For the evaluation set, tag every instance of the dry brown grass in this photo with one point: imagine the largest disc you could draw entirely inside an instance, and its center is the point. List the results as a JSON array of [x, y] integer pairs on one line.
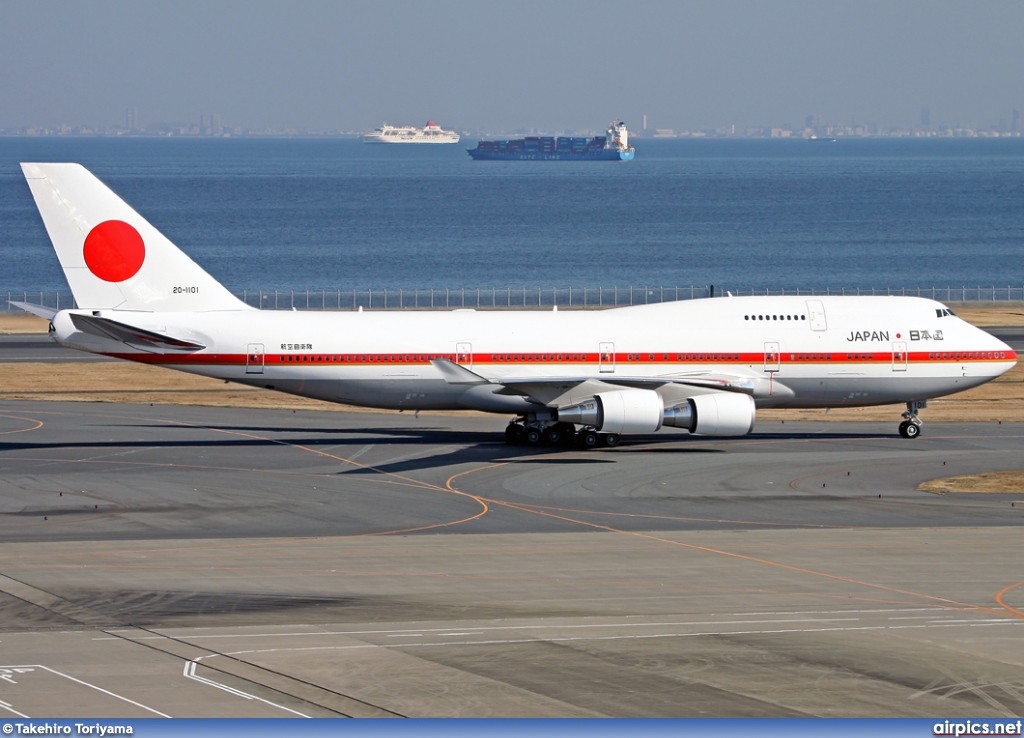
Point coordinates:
[[127, 382], [1007, 482], [989, 316], [21, 323]]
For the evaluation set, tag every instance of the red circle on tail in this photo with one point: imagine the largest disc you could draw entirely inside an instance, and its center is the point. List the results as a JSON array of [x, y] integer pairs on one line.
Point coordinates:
[[114, 251]]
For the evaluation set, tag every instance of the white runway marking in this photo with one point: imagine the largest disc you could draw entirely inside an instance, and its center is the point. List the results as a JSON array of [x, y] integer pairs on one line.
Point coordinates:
[[10, 708], [190, 673], [936, 618], [29, 668], [554, 638]]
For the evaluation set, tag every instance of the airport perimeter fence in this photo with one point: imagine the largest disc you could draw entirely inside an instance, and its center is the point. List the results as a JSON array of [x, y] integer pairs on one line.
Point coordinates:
[[526, 297]]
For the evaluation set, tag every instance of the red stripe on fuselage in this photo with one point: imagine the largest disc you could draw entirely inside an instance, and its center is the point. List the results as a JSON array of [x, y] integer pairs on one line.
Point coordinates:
[[793, 358]]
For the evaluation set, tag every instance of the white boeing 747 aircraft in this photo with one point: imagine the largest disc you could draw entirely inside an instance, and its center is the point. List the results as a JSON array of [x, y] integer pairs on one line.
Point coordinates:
[[702, 365]]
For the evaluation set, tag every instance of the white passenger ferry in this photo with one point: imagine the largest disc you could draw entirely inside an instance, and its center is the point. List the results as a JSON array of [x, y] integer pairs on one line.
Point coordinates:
[[431, 133]]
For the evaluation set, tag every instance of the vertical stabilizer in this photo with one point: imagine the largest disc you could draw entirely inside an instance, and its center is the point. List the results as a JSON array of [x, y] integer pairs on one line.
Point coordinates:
[[111, 256]]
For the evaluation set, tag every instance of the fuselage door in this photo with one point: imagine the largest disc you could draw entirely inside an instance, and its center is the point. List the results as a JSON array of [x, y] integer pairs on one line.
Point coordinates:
[[816, 315], [899, 356], [254, 358], [606, 357], [464, 354], [772, 356]]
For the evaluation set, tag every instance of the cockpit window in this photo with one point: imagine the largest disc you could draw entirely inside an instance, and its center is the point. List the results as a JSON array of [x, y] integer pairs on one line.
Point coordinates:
[[942, 312]]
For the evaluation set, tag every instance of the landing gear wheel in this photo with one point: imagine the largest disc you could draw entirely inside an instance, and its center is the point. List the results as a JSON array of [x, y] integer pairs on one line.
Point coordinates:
[[611, 440], [909, 429], [513, 434], [589, 439], [532, 437], [911, 425], [559, 434]]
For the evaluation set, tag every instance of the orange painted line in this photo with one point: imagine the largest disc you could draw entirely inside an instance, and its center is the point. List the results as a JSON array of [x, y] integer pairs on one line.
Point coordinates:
[[941, 601], [754, 559], [38, 424], [1000, 599], [767, 562], [392, 477], [407, 480], [678, 517]]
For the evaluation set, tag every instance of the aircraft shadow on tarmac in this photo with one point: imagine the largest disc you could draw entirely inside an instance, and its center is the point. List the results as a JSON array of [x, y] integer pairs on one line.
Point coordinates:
[[453, 446], [467, 440], [450, 447]]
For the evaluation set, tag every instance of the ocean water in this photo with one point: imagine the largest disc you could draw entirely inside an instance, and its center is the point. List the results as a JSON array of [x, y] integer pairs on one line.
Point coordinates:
[[337, 214]]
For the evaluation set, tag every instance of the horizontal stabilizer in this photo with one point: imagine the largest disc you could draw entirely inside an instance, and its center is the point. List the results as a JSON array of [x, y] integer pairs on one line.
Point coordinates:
[[106, 328], [42, 312]]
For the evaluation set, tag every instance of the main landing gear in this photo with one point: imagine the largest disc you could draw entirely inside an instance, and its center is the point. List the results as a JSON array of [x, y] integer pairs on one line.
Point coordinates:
[[911, 426], [533, 432]]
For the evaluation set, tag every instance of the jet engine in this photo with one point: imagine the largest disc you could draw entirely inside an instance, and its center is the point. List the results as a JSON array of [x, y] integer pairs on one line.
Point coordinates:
[[624, 411], [644, 411], [716, 414]]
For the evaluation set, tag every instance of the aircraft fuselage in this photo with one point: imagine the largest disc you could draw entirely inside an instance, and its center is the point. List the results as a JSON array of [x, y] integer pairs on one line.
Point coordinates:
[[796, 352]]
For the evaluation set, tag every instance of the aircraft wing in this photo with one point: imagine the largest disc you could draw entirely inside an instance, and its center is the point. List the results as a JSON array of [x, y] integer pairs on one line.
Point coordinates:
[[457, 374], [711, 380], [129, 334], [544, 390]]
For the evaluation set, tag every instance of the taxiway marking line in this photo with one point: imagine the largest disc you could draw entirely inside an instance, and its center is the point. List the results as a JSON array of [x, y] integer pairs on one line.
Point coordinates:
[[87, 684]]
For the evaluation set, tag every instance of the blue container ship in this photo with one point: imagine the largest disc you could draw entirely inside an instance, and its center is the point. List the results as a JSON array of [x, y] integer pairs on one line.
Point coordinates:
[[614, 146]]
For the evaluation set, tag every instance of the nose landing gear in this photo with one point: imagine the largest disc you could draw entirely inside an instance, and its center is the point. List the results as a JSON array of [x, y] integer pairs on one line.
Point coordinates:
[[911, 426]]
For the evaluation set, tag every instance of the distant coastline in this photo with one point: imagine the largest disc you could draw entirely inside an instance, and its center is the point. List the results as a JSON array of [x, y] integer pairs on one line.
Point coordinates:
[[818, 133]]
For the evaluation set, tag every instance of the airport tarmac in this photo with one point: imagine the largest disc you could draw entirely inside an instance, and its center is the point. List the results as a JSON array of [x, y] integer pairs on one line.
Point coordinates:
[[197, 561]]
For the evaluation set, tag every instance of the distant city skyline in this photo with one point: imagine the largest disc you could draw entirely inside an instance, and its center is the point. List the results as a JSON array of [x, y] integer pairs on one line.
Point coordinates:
[[323, 66], [212, 124]]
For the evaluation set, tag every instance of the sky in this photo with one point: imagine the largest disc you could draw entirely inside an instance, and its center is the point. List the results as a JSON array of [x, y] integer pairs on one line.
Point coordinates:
[[502, 66]]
